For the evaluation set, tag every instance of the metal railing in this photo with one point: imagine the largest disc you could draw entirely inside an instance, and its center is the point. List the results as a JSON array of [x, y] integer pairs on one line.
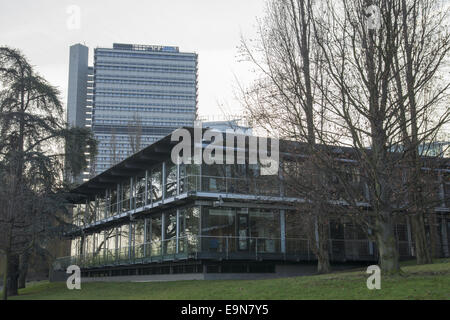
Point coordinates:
[[263, 185], [259, 186], [225, 247]]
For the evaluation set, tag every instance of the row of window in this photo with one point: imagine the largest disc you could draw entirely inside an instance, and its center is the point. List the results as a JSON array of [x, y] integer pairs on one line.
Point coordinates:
[[163, 70], [106, 147], [123, 137], [102, 167], [125, 105], [140, 109], [135, 63], [109, 152], [145, 123], [104, 75], [147, 55], [128, 117], [148, 90], [106, 141], [105, 159], [151, 232], [149, 82], [118, 129], [145, 96]]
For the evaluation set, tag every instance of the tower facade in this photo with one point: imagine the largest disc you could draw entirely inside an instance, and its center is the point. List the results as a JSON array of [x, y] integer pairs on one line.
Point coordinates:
[[138, 94]]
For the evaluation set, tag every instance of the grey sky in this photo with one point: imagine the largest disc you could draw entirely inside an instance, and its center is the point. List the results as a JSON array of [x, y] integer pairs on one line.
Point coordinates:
[[212, 28]]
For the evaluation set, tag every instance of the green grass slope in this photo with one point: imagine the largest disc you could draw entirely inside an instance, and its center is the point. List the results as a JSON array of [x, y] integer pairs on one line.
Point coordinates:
[[416, 282]]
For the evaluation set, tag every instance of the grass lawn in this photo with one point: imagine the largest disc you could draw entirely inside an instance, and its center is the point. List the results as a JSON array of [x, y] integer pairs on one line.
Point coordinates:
[[416, 282]]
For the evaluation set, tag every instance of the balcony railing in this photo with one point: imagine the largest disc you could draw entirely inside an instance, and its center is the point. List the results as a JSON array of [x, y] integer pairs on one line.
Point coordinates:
[[258, 186], [262, 185], [225, 247]]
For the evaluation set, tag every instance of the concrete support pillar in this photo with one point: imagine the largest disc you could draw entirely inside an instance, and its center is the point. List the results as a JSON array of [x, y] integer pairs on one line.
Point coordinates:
[[441, 189], [178, 232], [163, 232], [117, 244], [283, 230], [199, 179], [130, 240], [106, 203], [370, 232], [281, 180], [146, 187], [163, 174], [86, 208], [131, 193], [282, 212], [96, 210], [444, 237], [105, 246], [408, 229], [119, 197], [94, 242], [145, 236], [178, 179]]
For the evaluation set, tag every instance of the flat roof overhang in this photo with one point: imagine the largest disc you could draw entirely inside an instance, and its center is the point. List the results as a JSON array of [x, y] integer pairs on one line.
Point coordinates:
[[134, 165], [131, 166], [160, 151]]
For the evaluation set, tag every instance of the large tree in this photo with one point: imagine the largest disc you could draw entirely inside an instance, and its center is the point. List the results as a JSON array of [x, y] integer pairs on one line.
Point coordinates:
[[423, 47], [369, 62], [286, 102], [357, 74], [32, 157]]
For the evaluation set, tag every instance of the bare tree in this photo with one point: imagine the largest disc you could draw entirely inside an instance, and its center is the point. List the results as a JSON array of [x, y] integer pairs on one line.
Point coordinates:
[[367, 68], [423, 47], [332, 75], [286, 102], [135, 133]]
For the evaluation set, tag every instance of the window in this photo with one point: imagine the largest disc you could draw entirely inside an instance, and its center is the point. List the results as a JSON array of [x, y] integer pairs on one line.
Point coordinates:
[[171, 179], [156, 184]]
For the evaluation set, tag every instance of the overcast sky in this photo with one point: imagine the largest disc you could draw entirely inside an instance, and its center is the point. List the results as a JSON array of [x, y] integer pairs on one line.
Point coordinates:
[[212, 28]]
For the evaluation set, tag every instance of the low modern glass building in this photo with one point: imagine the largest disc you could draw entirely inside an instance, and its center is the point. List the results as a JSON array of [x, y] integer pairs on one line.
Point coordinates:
[[147, 215]]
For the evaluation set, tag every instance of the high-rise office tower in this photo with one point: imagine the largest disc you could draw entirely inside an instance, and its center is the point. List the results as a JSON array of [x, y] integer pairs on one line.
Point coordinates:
[[134, 95]]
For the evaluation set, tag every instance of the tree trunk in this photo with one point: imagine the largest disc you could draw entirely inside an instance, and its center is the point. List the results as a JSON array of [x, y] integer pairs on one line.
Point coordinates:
[[387, 244], [420, 239], [434, 237], [323, 261], [23, 269], [5, 278], [321, 237], [13, 275]]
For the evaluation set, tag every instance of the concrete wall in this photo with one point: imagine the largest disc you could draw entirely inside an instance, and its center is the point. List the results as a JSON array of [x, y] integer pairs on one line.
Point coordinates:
[[281, 271]]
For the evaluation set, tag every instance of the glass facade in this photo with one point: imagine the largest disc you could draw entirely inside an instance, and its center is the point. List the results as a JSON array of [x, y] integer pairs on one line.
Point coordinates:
[[167, 180], [181, 215]]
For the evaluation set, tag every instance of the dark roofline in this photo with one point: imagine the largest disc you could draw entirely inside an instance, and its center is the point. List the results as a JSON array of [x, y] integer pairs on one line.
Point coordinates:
[[112, 175]]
